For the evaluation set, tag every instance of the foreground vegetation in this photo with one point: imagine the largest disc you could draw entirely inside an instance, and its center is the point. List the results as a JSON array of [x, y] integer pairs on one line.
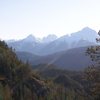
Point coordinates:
[[18, 81]]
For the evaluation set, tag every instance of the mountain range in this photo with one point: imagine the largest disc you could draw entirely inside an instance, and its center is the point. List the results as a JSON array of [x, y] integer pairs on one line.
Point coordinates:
[[51, 44], [66, 52]]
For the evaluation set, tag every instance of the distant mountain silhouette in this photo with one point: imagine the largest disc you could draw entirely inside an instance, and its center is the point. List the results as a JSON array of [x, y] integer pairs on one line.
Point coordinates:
[[25, 45], [51, 44]]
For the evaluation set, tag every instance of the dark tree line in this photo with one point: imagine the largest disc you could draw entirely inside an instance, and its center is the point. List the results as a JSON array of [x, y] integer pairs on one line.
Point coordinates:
[[17, 80]]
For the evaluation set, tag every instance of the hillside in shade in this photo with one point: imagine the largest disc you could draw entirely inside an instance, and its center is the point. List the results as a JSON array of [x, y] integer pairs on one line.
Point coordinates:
[[73, 59], [17, 77]]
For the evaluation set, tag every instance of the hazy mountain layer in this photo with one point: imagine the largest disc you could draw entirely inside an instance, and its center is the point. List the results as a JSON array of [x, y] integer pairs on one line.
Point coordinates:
[[51, 44], [73, 59]]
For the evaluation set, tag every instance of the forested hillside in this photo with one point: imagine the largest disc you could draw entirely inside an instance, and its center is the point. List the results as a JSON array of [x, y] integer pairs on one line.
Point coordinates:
[[18, 81]]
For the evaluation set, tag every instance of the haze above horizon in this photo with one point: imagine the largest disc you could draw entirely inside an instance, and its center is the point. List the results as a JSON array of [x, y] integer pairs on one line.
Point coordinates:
[[19, 18]]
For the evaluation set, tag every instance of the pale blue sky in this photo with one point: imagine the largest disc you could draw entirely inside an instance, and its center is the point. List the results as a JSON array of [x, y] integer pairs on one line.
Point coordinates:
[[19, 18]]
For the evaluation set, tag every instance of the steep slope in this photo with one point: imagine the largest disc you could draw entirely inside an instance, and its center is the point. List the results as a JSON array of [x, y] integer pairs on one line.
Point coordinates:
[[17, 77]]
